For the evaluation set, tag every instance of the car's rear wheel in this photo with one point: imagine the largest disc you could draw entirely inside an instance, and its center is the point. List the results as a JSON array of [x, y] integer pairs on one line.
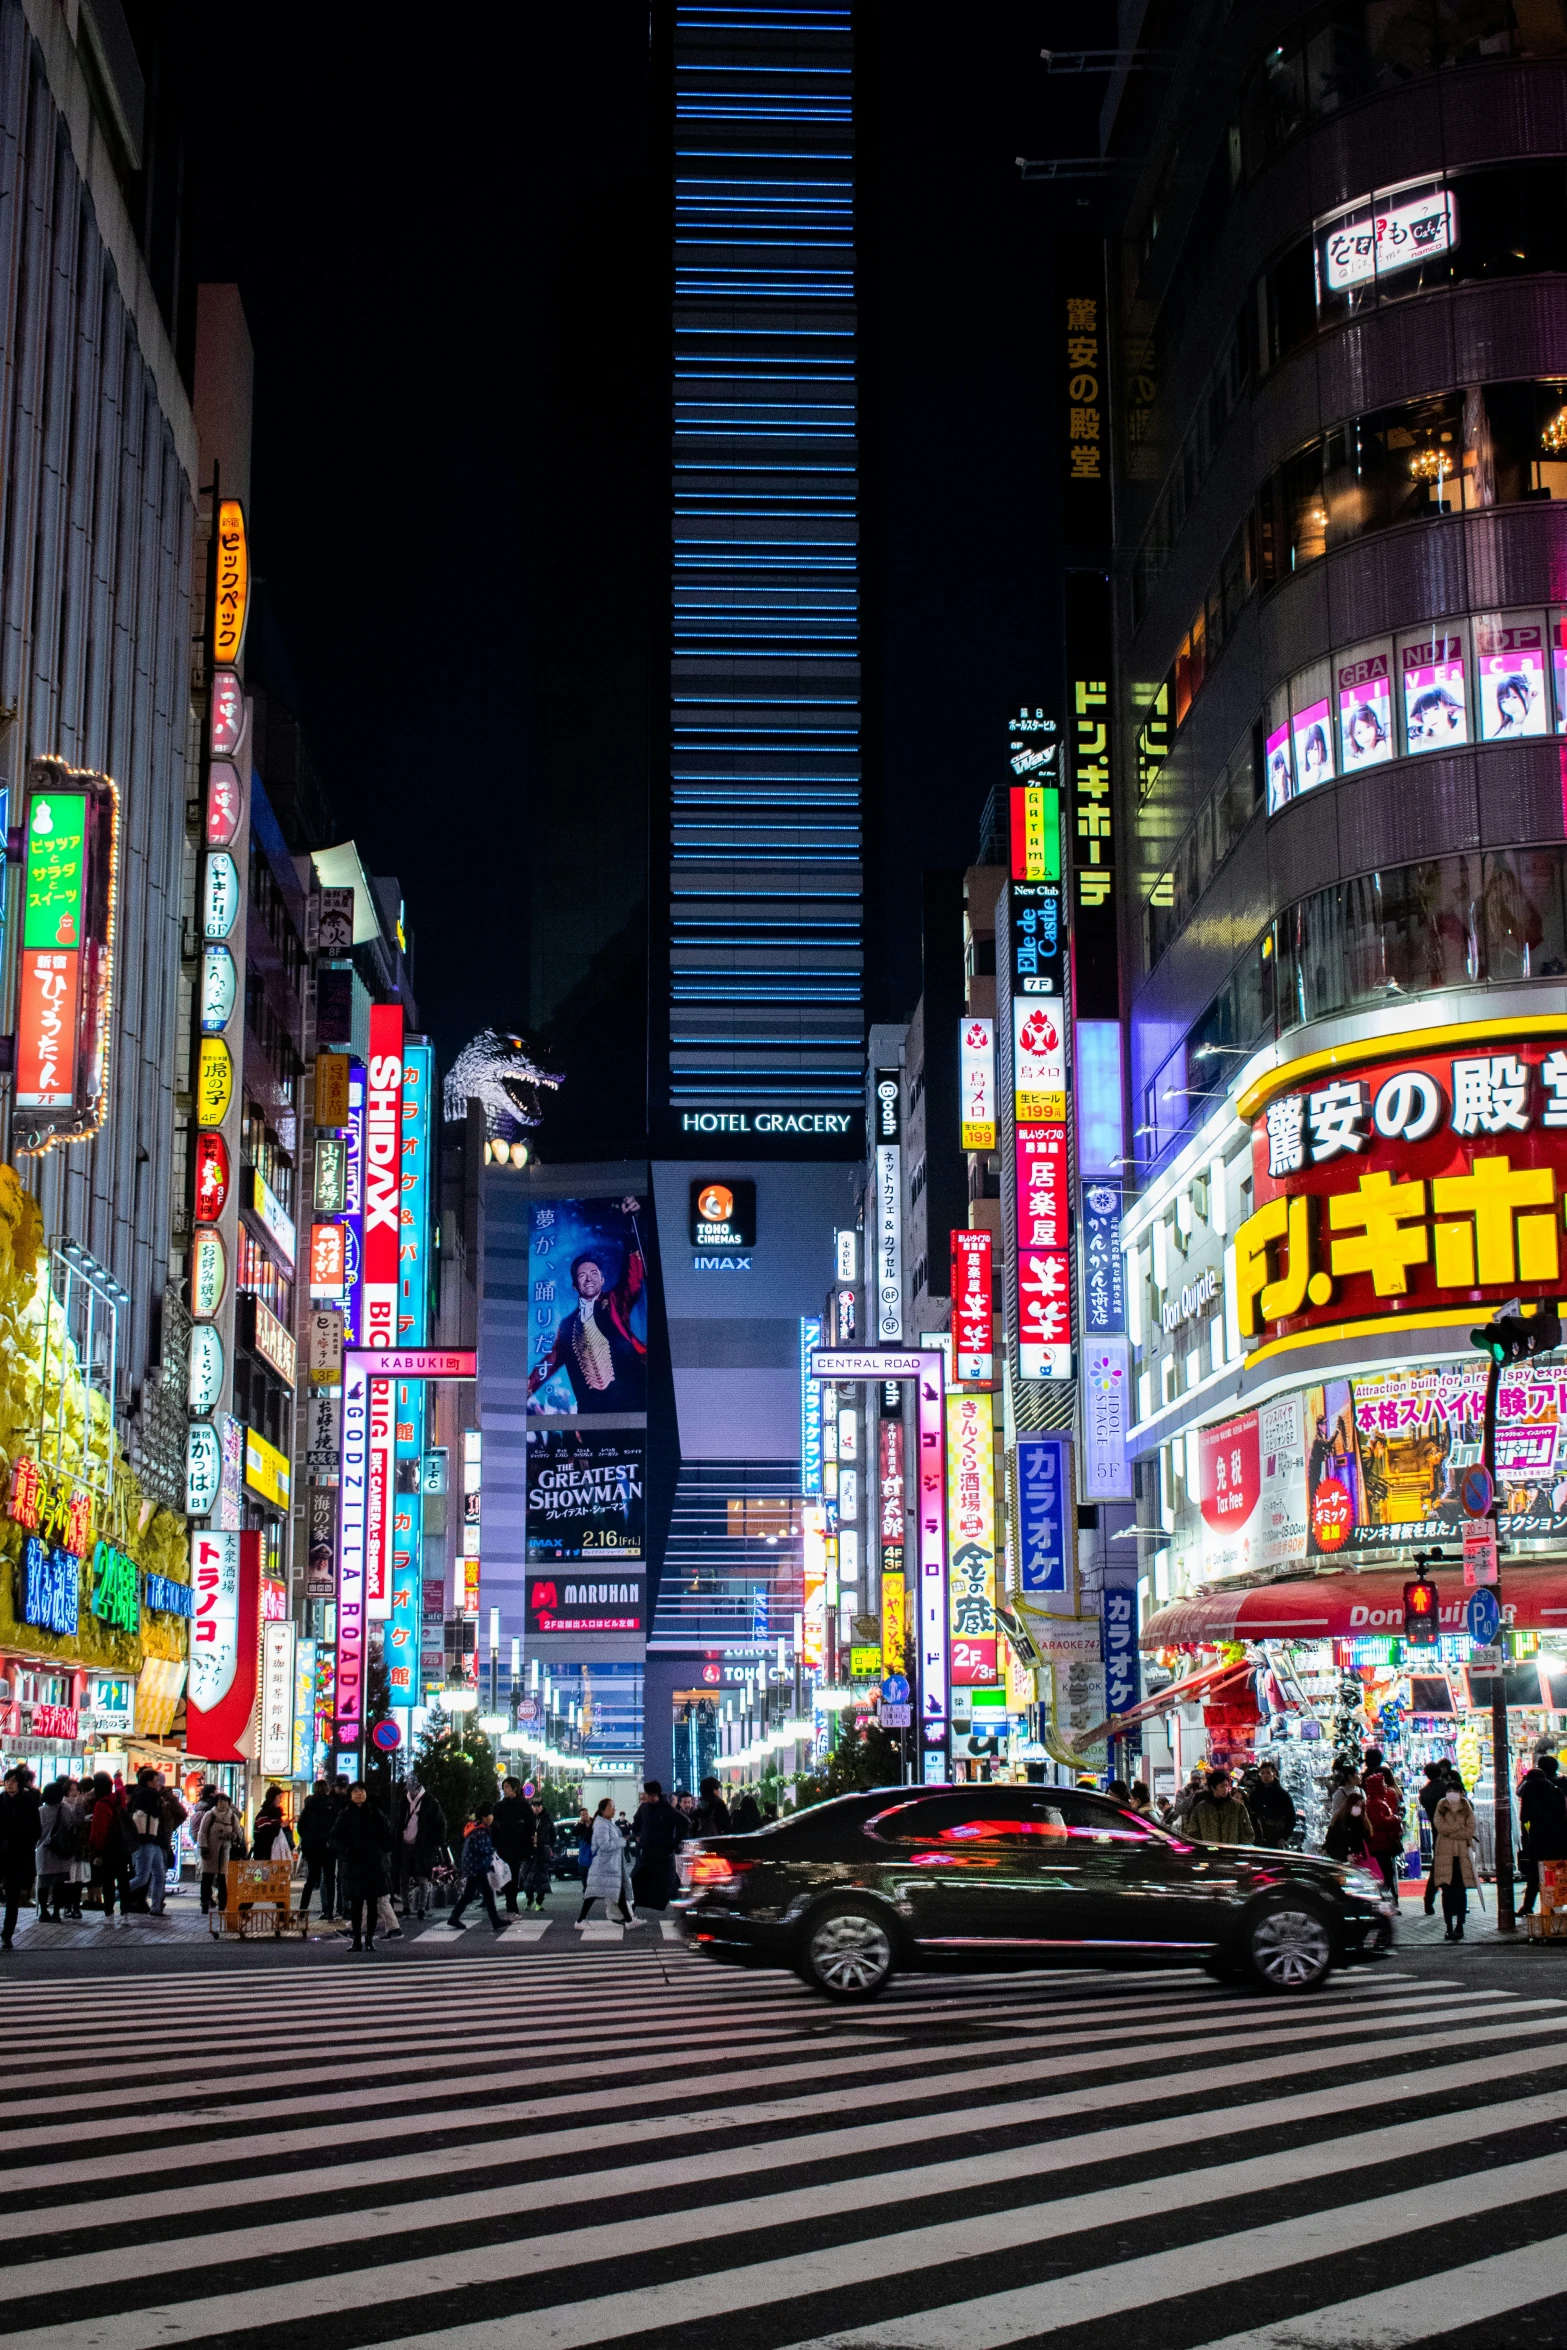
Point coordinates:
[[1290, 1946], [848, 1951]]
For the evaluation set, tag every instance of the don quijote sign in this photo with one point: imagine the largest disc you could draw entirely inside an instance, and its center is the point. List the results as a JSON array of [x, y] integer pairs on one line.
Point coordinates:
[[1421, 1186], [1193, 1297]]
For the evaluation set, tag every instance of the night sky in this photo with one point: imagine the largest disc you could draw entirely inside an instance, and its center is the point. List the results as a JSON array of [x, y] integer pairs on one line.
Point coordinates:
[[384, 226]]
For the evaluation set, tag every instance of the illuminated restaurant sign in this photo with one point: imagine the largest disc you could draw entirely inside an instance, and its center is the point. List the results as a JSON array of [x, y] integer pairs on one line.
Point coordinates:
[[65, 969]]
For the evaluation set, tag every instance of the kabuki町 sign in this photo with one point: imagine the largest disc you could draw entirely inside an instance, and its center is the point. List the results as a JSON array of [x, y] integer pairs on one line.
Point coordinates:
[[1421, 1186]]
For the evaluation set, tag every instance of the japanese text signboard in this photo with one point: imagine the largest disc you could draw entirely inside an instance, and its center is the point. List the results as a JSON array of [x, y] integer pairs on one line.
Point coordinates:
[[65, 969], [972, 1306], [1426, 1186], [971, 1522], [382, 1178]]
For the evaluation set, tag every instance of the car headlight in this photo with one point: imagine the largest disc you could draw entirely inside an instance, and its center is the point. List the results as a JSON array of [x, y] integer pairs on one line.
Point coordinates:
[[1361, 1881]]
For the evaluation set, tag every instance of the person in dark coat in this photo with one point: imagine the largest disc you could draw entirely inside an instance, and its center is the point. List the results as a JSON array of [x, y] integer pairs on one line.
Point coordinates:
[[712, 1813], [1542, 1815], [746, 1817], [478, 1858], [418, 1841], [659, 1830], [270, 1826], [21, 1825], [318, 1816], [361, 1840], [511, 1832], [1272, 1810], [108, 1843], [539, 1866]]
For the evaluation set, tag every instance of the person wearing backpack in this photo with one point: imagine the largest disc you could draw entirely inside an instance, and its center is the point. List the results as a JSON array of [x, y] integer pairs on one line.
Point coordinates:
[[1384, 1818]]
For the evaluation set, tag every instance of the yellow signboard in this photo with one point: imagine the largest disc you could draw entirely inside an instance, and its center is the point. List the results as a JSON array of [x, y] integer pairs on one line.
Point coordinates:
[[214, 1082], [892, 1619], [266, 1469], [232, 599]]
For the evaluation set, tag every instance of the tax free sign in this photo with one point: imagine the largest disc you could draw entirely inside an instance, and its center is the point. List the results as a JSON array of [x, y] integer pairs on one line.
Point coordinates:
[[1423, 1185]]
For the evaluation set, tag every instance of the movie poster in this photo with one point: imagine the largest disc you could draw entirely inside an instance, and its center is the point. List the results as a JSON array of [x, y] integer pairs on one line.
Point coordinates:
[[585, 1495], [587, 1307]]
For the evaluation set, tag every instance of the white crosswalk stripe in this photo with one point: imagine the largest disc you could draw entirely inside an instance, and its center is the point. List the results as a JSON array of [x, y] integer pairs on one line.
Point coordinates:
[[605, 2144]]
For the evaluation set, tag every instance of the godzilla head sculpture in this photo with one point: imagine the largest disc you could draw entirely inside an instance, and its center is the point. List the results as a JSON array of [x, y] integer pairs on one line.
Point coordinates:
[[499, 1071]]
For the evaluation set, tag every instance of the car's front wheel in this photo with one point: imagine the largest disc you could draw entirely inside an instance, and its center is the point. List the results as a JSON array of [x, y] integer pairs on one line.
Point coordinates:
[[1290, 1946], [848, 1951]]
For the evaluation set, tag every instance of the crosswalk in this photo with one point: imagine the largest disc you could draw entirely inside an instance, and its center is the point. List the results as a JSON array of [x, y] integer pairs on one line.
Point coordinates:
[[623, 2143]]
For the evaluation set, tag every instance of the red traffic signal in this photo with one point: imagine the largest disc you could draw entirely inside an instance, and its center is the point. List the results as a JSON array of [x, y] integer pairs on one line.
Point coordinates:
[[1421, 1617]]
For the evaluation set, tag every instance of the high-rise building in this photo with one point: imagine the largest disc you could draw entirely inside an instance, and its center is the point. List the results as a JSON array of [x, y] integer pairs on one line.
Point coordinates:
[[1338, 310], [757, 997]]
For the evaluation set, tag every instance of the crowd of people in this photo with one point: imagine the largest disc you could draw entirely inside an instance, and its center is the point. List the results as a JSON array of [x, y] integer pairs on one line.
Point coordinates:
[[1367, 1822]]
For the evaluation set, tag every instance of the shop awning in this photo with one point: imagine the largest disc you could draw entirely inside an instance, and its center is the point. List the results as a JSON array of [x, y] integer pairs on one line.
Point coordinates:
[[1347, 1607], [1165, 1701]]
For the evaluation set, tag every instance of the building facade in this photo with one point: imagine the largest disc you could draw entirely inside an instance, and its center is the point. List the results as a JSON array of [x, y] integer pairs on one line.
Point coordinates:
[[1340, 322]]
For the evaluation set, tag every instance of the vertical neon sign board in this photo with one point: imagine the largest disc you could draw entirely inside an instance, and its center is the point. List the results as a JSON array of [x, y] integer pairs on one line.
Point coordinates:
[[404, 1624], [349, 1678], [383, 1177]]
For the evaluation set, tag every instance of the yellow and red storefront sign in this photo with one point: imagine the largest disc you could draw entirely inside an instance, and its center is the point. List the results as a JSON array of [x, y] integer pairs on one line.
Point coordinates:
[[1419, 1185]]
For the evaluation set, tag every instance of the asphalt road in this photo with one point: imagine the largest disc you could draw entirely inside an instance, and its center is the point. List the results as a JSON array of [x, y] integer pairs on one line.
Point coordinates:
[[529, 2144]]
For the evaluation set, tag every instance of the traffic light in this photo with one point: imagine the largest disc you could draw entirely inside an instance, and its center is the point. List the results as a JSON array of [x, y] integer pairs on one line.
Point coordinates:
[[1515, 1337], [1421, 1618]]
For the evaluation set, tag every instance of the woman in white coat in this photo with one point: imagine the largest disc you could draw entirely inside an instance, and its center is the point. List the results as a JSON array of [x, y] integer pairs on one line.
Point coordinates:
[[1452, 1868], [609, 1870]]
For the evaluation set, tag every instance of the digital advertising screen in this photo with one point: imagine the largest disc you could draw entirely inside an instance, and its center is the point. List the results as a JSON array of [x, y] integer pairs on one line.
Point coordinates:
[[587, 1306]]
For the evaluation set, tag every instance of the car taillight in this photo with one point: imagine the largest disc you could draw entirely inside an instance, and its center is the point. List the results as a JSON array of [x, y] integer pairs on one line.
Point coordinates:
[[712, 1868]]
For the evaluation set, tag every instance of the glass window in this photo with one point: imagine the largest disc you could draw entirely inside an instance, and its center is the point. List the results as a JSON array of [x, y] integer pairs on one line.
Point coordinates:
[[1429, 934], [1277, 761], [1435, 710], [1311, 727], [1313, 942], [1524, 936], [1303, 515], [1512, 692], [1363, 690]]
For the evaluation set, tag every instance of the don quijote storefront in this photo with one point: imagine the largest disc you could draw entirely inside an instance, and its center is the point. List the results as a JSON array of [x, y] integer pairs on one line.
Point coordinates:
[[1304, 1278]]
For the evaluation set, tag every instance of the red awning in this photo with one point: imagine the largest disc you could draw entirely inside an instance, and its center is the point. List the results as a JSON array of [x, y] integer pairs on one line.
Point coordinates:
[[1342, 1607], [1207, 1684]]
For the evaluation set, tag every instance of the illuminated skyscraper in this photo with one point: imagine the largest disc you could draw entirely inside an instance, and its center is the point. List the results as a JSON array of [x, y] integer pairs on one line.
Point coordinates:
[[757, 997]]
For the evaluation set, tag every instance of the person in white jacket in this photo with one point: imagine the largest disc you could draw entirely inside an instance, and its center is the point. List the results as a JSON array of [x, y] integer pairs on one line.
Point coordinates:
[[609, 1870]]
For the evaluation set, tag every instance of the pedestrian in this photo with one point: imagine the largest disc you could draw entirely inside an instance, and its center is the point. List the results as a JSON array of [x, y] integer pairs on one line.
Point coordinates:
[[536, 1876], [361, 1840], [584, 1843], [1542, 1816], [475, 1864], [1142, 1799], [1195, 1788], [20, 1819], [685, 1804], [1118, 1791], [511, 1833], [1430, 1793], [274, 1838], [608, 1876], [1384, 1818], [59, 1834], [659, 1832], [418, 1843], [746, 1816], [1271, 1807], [219, 1839], [1219, 1816], [1346, 1832], [712, 1813], [1454, 1824], [110, 1841], [318, 1816], [150, 1869], [199, 1810]]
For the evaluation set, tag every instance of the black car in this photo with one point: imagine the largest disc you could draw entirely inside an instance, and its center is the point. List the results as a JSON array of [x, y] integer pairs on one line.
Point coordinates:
[[941, 1877]]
